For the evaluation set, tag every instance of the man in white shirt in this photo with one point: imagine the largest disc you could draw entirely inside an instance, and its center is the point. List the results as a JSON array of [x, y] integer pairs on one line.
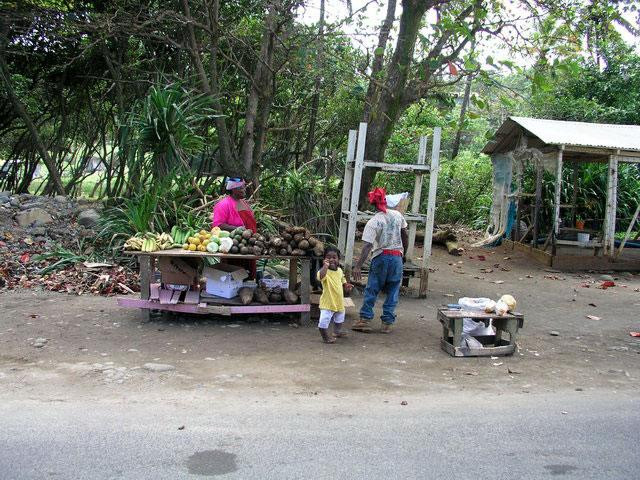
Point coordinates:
[[386, 235]]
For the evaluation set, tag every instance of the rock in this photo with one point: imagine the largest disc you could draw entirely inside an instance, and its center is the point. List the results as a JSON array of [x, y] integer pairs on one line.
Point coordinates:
[[617, 348], [158, 367], [4, 199], [15, 203], [38, 231], [60, 199], [606, 278], [88, 218], [554, 333], [40, 342], [34, 216]]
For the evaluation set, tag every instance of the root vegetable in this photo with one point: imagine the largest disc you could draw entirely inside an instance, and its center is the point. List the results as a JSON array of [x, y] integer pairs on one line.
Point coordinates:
[[246, 295], [298, 253], [303, 245], [283, 251], [246, 234], [289, 296], [244, 250], [298, 237], [313, 242], [274, 297], [261, 296]]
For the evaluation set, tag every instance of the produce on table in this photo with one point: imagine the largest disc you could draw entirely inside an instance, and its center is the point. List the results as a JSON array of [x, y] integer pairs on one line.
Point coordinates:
[[265, 295], [246, 295], [150, 242], [225, 245]]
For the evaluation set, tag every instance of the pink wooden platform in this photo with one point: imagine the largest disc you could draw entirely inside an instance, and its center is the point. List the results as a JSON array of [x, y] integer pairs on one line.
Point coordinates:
[[203, 308]]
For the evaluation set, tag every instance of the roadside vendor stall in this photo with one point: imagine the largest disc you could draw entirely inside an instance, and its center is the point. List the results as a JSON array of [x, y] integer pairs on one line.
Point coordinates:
[[196, 273]]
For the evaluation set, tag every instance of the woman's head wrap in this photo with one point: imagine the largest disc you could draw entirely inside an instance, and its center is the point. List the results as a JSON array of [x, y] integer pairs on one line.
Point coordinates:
[[233, 183], [378, 198]]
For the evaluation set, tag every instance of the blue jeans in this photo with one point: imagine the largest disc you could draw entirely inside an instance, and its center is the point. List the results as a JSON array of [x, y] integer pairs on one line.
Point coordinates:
[[385, 273]]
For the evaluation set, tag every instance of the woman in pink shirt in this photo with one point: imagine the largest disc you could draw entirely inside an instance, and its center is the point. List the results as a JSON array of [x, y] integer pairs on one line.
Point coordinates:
[[234, 211]]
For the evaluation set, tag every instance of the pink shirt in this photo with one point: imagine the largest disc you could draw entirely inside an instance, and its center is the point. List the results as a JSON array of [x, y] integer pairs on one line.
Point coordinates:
[[225, 211]]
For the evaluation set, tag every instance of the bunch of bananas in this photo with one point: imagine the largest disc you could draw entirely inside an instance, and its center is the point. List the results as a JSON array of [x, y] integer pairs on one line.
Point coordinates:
[[134, 243], [149, 242], [164, 241], [180, 235]]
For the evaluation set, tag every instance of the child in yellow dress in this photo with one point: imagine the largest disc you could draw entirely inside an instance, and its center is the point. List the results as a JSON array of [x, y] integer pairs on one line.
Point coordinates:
[[334, 286]]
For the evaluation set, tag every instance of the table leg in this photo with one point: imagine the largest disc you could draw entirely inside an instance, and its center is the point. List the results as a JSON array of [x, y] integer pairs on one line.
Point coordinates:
[[305, 290], [293, 273], [146, 273], [457, 331]]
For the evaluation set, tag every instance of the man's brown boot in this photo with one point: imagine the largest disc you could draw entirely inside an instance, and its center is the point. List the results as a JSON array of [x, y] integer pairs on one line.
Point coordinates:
[[361, 326], [386, 328]]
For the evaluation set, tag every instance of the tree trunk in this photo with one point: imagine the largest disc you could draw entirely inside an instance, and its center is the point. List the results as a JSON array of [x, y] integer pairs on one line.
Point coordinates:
[[54, 175], [311, 137], [463, 113], [390, 102]]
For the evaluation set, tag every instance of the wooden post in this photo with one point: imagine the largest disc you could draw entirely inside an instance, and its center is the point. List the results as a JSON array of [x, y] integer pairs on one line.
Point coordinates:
[[417, 194], [431, 211], [538, 205], [146, 263], [305, 290], [293, 273], [629, 230], [556, 199], [355, 197], [612, 202], [347, 186], [609, 227]]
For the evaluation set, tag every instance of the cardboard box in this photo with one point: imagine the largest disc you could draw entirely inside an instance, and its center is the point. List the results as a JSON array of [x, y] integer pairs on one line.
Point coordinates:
[[224, 280], [178, 271]]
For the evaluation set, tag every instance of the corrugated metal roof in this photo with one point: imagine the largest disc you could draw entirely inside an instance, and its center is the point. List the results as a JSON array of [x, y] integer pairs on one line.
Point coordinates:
[[580, 134]]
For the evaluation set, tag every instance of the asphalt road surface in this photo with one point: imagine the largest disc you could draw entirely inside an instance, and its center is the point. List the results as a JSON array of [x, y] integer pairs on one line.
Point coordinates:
[[573, 435]]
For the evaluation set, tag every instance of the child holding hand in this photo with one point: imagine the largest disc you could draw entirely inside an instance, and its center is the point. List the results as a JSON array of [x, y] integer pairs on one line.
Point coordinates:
[[334, 286]]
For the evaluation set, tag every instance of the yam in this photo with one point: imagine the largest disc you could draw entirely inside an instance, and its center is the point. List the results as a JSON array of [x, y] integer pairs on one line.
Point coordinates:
[[313, 242], [252, 241], [293, 244], [276, 242], [257, 251], [289, 249], [273, 251], [287, 237], [259, 244], [296, 230], [290, 297], [283, 251], [246, 295], [260, 296], [303, 245], [298, 253], [274, 297], [298, 237]]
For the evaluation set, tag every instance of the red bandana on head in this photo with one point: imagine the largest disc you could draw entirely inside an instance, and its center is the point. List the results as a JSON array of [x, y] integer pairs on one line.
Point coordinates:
[[378, 197]]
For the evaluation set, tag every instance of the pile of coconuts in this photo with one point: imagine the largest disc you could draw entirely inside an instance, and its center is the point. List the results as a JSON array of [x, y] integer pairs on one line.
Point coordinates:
[[265, 295], [296, 241]]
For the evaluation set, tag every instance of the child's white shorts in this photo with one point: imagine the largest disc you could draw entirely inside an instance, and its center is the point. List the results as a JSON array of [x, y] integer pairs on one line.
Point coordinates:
[[327, 315]]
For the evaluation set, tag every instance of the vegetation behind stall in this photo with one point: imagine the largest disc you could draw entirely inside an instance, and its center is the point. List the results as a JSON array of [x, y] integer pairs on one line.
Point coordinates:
[[145, 105]]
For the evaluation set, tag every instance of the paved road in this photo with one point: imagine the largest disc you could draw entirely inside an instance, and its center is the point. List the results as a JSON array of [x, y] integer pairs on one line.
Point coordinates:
[[324, 437]]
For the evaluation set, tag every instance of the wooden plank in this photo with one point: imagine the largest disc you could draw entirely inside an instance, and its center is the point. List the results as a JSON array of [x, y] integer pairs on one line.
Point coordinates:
[[355, 197], [576, 243], [178, 252], [475, 315], [628, 156], [629, 230], [431, 211], [347, 186], [179, 307], [535, 253], [557, 198], [398, 167], [305, 291], [417, 194], [408, 216], [248, 309]]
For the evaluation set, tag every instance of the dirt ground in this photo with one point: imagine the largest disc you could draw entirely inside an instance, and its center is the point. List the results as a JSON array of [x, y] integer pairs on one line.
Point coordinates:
[[92, 348]]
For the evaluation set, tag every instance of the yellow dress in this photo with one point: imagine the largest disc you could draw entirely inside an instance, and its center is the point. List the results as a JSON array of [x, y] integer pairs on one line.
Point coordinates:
[[332, 290]]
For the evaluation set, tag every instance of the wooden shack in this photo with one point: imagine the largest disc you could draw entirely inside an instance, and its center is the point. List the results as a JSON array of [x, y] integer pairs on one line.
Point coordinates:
[[522, 151]]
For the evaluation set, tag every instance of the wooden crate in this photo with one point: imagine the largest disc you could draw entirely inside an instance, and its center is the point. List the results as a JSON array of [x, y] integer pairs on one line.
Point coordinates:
[[496, 345]]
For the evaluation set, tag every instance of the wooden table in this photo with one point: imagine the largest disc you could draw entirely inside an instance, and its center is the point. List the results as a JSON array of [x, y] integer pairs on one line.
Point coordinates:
[[146, 261], [452, 321]]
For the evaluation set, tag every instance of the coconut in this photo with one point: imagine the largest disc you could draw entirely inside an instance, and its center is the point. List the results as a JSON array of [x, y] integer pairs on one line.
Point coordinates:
[[303, 245]]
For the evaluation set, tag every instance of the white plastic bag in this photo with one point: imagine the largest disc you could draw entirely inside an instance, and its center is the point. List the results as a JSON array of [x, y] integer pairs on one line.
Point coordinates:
[[477, 304], [394, 199], [469, 342], [501, 308], [477, 329]]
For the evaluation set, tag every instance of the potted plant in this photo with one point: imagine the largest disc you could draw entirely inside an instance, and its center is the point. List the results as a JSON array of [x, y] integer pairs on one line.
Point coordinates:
[[579, 223]]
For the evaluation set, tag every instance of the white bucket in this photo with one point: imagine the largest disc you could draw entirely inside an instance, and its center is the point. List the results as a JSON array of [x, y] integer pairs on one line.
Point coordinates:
[[583, 238]]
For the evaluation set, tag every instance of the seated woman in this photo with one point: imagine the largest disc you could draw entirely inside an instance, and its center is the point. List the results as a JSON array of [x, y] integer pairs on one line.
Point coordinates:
[[234, 211]]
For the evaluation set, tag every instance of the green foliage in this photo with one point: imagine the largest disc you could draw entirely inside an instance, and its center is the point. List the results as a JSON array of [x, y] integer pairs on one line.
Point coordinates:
[[62, 256]]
